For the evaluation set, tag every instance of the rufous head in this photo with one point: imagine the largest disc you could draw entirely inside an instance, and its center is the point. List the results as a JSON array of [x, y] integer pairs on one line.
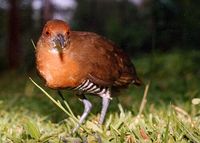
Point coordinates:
[[56, 33]]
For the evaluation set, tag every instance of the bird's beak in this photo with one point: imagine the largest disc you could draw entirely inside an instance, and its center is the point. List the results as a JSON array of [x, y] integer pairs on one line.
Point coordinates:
[[60, 42]]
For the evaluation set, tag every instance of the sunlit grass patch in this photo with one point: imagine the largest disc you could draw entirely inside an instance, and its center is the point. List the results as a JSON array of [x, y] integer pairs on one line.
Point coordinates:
[[122, 126]]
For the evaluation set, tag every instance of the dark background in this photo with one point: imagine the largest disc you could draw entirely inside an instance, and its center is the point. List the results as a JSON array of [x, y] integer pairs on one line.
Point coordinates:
[[138, 26]]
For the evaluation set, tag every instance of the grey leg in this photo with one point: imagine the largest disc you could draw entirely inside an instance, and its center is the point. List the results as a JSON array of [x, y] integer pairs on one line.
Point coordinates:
[[105, 103], [87, 108]]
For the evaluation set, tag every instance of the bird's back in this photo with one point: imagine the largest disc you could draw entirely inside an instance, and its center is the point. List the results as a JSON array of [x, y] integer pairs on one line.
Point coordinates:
[[101, 61]]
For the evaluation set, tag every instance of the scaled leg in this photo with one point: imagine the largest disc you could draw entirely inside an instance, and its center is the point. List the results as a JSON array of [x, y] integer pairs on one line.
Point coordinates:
[[87, 108], [105, 103]]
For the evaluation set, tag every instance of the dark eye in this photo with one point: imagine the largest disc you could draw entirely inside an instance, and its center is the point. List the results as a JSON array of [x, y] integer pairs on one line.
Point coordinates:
[[47, 33], [67, 32]]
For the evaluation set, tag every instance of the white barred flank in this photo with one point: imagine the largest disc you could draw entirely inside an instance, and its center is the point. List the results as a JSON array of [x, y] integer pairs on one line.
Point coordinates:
[[89, 87]]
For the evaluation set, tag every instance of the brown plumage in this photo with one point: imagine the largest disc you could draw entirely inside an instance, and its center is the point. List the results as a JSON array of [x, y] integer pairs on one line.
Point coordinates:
[[84, 61]]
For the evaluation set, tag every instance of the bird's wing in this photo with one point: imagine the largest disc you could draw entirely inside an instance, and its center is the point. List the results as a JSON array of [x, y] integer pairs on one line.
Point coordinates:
[[105, 64]]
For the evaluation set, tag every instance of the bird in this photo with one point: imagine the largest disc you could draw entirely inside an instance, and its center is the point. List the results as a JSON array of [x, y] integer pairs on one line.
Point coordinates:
[[83, 62]]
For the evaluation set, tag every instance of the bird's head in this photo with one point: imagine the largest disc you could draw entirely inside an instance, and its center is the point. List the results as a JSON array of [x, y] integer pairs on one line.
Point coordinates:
[[57, 34]]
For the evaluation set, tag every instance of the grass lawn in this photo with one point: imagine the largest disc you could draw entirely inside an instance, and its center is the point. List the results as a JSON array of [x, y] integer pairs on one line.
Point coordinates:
[[171, 113]]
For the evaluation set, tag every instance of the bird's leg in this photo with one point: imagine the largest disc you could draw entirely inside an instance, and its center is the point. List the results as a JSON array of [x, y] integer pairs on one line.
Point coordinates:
[[60, 94], [87, 107], [105, 103]]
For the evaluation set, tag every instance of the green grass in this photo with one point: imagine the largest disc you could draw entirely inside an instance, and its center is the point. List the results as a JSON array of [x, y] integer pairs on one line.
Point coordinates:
[[171, 113]]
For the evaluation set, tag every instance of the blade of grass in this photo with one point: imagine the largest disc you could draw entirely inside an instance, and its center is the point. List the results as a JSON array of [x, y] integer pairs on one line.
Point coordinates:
[[144, 99], [70, 111], [66, 104], [116, 130], [166, 137], [187, 132], [32, 129], [54, 101], [74, 119], [33, 44]]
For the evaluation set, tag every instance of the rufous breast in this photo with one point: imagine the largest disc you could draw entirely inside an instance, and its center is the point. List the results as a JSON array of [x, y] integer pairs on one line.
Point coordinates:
[[58, 70]]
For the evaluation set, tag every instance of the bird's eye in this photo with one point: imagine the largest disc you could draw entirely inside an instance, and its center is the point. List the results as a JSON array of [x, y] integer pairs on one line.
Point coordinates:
[[47, 33], [67, 32]]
